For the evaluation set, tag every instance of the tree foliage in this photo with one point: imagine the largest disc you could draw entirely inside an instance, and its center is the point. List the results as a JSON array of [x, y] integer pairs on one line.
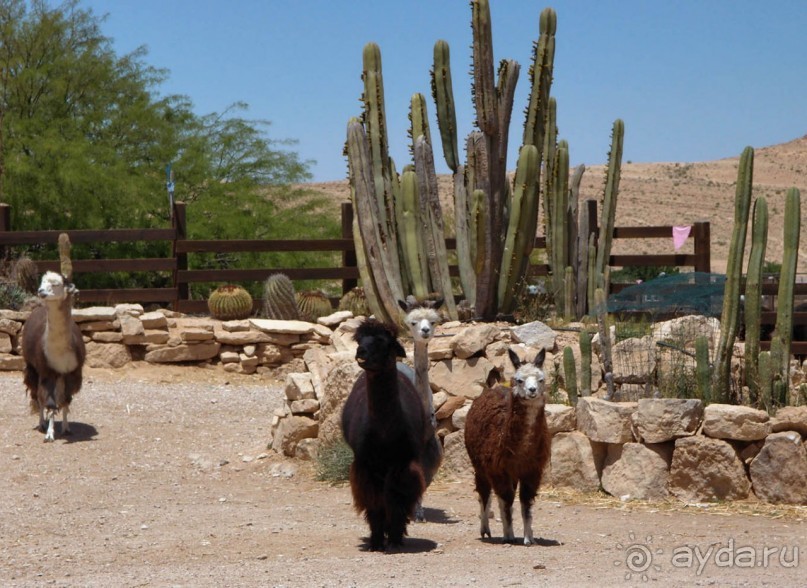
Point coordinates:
[[85, 137]]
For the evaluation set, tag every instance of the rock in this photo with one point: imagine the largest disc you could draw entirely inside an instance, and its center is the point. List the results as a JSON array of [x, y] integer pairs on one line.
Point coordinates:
[[636, 471], [107, 337], [440, 348], [134, 310], [10, 327], [131, 328], [92, 314], [790, 418], [107, 355], [455, 456], [283, 327], [740, 423], [573, 463], [194, 352], [461, 378], [305, 406], [664, 419], [226, 357], [535, 334], [5, 343], [459, 416], [307, 449], [154, 320], [238, 338], [334, 320], [291, 430], [560, 418], [195, 334], [779, 471], [299, 387], [705, 469], [683, 331], [11, 362], [473, 340], [448, 407], [605, 421], [634, 360], [337, 386]]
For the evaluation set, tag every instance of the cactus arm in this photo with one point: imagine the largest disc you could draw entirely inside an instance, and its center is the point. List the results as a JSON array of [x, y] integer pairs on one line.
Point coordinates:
[[484, 89], [609, 199], [585, 360], [753, 295], [540, 79], [462, 233], [570, 375], [432, 223], [443, 94], [731, 293], [517, 242], [783, 333], [411, 237], [560, 225]]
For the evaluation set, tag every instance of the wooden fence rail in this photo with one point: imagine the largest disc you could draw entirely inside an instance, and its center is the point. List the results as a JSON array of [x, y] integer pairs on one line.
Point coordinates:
[[184, 274]]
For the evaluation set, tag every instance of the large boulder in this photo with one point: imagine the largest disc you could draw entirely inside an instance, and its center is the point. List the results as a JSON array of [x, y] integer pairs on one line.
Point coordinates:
[[574, 462], [637, 471], [740, 423], [779, 471], [706, 470], [605, 421], [663, 419]]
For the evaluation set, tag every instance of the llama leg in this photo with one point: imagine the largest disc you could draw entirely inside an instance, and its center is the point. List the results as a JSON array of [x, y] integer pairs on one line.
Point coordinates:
[[420, 513], [376, 519], [50, 435], [506, 492], [483, 490], [526, 496], [65, 422]]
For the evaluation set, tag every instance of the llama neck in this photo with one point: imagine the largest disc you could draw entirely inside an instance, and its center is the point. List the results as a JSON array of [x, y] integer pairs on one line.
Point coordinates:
[[58, 340], [421, 354], [522, 422], [382, 391]]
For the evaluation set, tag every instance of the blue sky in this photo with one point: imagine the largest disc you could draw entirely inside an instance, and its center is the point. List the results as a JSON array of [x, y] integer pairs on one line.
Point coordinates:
[[693, 80]]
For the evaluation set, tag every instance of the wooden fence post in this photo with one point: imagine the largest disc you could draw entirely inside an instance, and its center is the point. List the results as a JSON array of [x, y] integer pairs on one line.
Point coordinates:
[[348, 257], [5, 224], [702, 247], [179, 224]]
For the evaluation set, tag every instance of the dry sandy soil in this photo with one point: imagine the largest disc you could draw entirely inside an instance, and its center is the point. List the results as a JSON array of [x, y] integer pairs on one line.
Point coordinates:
[[166, 481], [684, 193]]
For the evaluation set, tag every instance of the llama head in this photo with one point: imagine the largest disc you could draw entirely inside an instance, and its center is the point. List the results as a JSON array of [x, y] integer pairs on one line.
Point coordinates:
[[378, 346], [55, 287], [528, 381], [421, 317]]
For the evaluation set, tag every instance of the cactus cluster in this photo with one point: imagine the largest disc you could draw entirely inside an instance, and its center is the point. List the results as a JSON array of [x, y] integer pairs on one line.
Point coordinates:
[[25, 274], [230, 302]]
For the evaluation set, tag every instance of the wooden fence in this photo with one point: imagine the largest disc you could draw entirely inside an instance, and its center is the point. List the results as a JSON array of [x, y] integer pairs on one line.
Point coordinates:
[[183, 274]]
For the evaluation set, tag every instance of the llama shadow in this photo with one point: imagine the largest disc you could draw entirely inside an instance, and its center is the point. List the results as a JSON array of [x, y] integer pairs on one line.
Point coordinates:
[[539, 541], [410, 545], [79, 432], [437, 515]]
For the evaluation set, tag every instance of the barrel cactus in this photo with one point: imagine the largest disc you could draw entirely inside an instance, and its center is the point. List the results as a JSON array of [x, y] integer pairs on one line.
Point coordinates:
[[25, 274], [279, 302], [313, 304], [230, 302], [355, 301]]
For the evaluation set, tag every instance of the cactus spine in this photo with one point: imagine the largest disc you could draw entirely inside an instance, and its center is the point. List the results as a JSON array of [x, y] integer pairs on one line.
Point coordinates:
[[782, 335], [355, 301], [278, 298], [230, 302], [731, 294], [753, 295], [25, 274]]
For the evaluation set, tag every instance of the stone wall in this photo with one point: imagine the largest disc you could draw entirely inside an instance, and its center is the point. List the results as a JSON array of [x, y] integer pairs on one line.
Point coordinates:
[[651, 449]]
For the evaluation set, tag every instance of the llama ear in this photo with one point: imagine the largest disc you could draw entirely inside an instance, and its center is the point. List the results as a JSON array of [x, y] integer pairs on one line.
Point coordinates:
[[438, 303], [539, 359], [514, 359], [403, 305], [71, 288]]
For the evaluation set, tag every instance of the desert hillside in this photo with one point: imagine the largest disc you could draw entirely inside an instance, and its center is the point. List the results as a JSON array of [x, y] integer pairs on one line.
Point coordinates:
[[683, 193]]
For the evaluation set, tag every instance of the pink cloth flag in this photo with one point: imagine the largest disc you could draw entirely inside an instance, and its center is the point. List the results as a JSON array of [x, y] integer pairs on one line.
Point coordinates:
[[680, 235]]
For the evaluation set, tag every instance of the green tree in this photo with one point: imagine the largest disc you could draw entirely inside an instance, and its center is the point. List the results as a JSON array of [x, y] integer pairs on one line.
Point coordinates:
[[85, 137]]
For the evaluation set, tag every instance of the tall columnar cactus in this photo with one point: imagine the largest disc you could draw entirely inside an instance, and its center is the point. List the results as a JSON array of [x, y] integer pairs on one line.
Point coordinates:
[[766, 382], [753, 295], [278, 298], [783, 333], [703, 370], [601, 310], [560, 225], [570, 375], [585, 363], [731, 294], [612, 177]]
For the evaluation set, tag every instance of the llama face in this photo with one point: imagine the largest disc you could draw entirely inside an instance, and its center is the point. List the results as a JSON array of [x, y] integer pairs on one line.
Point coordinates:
[[421, 322], [528, 381], [54, 287], [378, 348]]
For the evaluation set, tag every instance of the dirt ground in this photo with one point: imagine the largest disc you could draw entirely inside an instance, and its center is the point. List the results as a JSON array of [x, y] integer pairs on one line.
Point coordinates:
[[166, 481]]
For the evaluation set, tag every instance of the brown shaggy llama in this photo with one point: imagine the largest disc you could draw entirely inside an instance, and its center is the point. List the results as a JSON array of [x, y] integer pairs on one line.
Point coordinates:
[[386, 426], [54, 353], [508, 442]]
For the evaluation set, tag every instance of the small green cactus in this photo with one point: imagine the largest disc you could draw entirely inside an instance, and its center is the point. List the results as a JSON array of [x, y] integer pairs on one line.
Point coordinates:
[[278, 298], [570, 375], [313, 304], [356, 302], [230, 302], [585, 361], [12, 297]]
